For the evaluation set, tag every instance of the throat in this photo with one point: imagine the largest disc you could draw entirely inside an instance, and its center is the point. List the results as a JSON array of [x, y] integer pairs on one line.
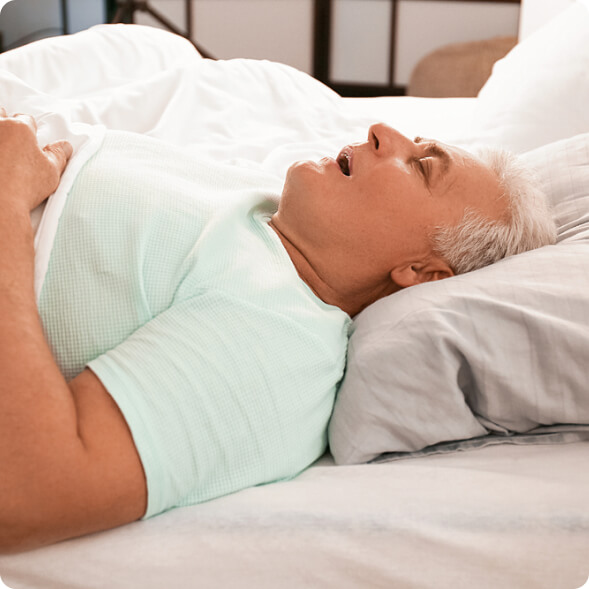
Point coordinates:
[[306, 270], [326, 283]]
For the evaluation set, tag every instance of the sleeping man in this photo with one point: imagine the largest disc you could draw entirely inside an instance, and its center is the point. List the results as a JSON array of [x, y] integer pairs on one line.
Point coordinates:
[[192, 326]]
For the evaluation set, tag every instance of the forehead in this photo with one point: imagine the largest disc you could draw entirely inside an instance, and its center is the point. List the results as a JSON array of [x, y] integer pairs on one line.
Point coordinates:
[[472, 183]]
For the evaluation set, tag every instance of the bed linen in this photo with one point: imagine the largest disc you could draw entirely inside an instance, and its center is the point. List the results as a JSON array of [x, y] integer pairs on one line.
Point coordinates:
[[498, 517], [513, 516]]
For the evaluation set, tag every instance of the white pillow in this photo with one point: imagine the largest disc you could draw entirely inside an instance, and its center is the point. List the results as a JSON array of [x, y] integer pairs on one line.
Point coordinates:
[[501, 350], [539, 92], [563, 170]]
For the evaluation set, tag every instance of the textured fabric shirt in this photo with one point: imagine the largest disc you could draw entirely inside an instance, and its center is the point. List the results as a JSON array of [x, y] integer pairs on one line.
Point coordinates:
[[167, 281]]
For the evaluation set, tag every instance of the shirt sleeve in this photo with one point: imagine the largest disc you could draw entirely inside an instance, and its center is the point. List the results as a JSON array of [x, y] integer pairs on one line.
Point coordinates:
[[220, 395]]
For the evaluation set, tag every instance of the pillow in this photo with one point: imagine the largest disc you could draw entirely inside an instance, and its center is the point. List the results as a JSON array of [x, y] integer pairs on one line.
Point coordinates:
[[563, 171], [539, 92], [501, 350]]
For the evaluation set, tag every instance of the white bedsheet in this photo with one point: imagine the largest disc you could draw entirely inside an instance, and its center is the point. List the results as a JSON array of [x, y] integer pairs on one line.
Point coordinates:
[[513, 517], [506, 516]]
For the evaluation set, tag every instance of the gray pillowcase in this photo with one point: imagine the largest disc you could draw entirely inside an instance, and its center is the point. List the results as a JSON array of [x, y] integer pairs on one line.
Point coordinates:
[[501, 350]]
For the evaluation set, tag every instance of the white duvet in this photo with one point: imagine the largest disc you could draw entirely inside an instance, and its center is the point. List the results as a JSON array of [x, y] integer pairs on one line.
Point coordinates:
[[244, 112]]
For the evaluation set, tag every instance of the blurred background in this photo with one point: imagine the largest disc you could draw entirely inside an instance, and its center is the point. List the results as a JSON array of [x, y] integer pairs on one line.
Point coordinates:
[[358, 47]]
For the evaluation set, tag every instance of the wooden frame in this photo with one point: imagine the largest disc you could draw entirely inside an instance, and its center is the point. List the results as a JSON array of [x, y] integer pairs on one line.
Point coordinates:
[[64, 17], [322, 50]]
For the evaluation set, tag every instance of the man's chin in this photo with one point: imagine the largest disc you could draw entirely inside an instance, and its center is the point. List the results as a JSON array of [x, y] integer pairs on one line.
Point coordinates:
[[303, 166], [298, 174]]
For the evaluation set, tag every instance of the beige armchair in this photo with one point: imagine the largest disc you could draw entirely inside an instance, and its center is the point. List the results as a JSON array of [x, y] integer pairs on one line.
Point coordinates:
[[459, 69]]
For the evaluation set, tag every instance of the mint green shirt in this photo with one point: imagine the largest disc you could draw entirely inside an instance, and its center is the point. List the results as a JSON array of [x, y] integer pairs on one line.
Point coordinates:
[[167, 281]]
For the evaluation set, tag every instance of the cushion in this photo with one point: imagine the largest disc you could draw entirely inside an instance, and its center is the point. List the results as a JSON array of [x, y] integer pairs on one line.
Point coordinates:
[[503, 350], [539, 92]]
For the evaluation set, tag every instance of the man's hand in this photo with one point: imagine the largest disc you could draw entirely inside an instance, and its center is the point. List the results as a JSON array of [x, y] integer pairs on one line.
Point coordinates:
[[29, 174], [68, 463]]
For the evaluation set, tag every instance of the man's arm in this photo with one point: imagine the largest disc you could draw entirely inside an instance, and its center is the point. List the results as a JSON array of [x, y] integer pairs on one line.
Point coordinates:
[[68, 464]]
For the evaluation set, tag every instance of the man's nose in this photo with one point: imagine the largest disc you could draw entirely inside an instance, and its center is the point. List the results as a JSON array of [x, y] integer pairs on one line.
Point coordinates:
[[386, 140]]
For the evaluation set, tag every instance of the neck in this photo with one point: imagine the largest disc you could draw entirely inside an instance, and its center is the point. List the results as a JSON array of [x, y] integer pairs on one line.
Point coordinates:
[[349, 300]]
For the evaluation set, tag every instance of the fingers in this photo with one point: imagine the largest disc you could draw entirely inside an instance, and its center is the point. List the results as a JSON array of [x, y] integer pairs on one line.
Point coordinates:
[[58, 154], [28, 120]]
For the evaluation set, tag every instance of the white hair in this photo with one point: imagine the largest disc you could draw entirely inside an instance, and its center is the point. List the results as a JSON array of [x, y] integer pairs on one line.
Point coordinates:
[[477, 241]]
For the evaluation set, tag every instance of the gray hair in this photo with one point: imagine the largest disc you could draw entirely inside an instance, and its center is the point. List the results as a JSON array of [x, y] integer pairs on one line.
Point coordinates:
[[476, 241]]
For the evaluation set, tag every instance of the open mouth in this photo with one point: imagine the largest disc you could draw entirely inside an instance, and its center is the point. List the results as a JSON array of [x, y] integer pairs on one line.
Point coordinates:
[[344, 161]]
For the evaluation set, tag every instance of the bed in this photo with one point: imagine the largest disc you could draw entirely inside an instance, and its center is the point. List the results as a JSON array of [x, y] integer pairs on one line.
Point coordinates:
[[459, 441]]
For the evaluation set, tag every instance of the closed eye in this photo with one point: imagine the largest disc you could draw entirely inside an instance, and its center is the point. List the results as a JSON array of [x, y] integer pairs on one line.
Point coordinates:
[[424, 167], [433, 150]]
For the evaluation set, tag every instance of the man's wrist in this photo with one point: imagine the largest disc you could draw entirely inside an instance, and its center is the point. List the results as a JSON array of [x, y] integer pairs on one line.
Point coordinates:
[[13, 207], [17, 250], [15, 220]]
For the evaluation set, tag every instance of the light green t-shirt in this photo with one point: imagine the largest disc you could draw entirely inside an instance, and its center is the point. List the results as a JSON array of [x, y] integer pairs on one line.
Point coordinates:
[[166, 280]]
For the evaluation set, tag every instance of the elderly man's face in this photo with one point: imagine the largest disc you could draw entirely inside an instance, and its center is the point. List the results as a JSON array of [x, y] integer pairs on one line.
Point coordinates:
[[370, 210]]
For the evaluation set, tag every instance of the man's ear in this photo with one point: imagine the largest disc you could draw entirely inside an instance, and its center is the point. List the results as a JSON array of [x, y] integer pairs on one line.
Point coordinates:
[[417, 272]]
